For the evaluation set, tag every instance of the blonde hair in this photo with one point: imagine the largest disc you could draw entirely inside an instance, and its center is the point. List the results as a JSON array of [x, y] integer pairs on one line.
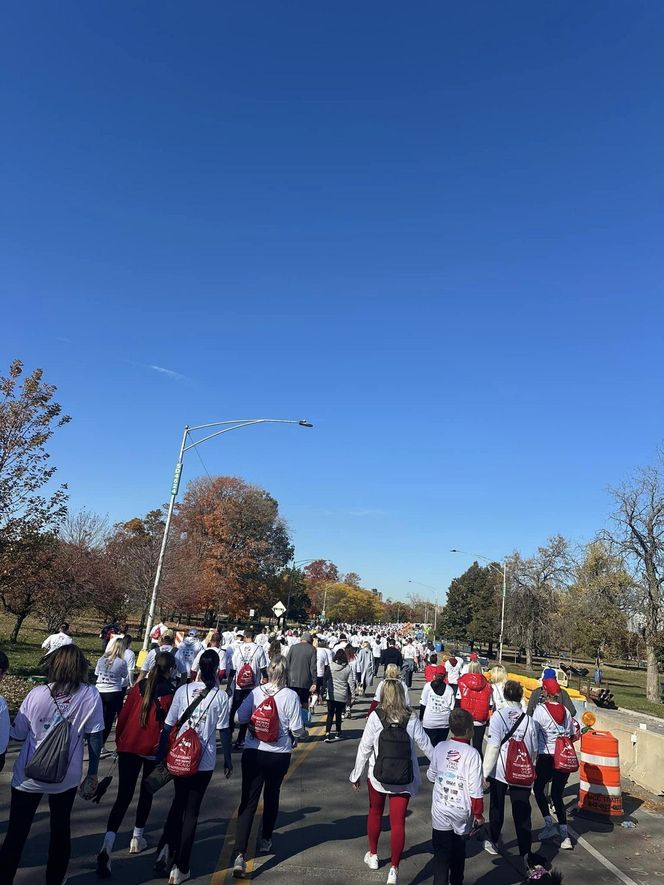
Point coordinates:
[[498, 674], [391, 671], [474, 667], [393, 702], [277, 671], [116, 650]]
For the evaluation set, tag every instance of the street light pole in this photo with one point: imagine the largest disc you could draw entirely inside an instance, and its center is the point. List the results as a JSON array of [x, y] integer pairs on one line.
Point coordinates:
[[226, 426], [501, 571]]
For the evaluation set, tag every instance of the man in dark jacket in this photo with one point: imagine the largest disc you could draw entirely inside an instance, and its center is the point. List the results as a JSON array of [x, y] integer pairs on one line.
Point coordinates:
[[536, 696], [391, 655], [302, 671]]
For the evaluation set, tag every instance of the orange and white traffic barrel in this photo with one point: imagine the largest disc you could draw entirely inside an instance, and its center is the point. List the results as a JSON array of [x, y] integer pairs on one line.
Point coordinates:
[[599, 774]]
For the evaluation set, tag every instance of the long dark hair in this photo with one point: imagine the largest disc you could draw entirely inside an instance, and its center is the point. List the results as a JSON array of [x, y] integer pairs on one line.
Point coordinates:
[[67, 668], [164, 664], [208, 667], [341, 657], [438, 684]]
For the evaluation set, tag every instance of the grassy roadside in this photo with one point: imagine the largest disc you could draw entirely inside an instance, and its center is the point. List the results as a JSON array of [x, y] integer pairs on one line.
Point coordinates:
[[628, 686]]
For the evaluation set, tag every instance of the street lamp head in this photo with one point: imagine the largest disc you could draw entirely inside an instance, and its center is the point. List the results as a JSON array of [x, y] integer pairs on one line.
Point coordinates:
[[304, 423], [454, 550]]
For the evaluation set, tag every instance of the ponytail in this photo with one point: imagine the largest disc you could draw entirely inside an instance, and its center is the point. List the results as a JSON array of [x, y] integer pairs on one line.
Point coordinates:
[[208, 667], [163, 666]]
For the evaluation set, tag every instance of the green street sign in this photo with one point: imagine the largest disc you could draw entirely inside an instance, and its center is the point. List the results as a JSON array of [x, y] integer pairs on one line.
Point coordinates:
[[176, 478]]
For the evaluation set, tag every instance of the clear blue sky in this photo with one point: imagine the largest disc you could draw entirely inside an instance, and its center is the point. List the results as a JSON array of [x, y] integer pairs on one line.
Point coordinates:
[[433, 229]]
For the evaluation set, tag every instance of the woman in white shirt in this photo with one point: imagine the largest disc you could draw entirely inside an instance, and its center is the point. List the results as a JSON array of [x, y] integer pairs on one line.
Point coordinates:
[[438, 700], [264, 764], [210, 716], [393, 712], [112, 673], [391, 672]]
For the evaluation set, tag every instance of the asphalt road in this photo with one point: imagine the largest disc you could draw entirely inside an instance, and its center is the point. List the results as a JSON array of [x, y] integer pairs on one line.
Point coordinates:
[[321, 833]]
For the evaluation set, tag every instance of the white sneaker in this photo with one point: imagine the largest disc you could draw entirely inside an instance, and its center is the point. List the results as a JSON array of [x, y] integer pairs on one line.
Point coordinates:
[[550, 831], [371, 860], [177, 876], [265, 846], [137, 844], [239, 867], [393, 876], [566, 844], [489, 847]]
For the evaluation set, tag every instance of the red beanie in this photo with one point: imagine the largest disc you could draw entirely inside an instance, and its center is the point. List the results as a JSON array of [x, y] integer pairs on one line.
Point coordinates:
[[551, 686]]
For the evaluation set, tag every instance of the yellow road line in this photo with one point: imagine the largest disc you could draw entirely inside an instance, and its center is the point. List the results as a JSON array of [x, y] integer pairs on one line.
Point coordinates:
[[222, 871]]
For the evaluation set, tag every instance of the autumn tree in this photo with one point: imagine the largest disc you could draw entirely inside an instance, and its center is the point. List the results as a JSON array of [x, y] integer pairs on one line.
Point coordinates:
[[352, 579], [457, 613], [134, 549], [594, 610], [352, 604], [534, 585], [233, 534], [29, 515], [638, 536]]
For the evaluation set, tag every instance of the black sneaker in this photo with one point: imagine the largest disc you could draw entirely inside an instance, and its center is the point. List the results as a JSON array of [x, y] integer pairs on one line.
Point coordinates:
[[104, 864]]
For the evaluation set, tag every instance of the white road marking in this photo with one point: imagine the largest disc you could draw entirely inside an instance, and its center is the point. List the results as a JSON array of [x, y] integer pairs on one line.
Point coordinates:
[[603, 860]]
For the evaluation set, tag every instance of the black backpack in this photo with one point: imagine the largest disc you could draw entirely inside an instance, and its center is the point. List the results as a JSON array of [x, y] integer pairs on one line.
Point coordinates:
[[394, 762]]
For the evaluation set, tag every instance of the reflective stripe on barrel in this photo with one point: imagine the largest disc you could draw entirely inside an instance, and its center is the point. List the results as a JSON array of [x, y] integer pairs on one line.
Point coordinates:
[[599, 774]]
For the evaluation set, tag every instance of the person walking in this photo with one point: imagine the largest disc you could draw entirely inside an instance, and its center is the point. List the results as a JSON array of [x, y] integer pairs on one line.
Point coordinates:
[[302, 672], [388, 747], [112, 673], [66, 697], [376, 650], [457, 800], [438, 701], [391, 655], [510, 724], [409, 655], [273, 714], [137, 738], [453, 667], [57, 640], [391, 672], [189, 650], [498, 676], [340, 688], [130, 659], [248, 665], [364, 667], [167, 643], [475, 696], [203, 707], [554, 722], [540, 695]]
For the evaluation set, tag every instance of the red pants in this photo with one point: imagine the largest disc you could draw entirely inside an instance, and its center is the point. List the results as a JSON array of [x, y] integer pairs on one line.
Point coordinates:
[[398, 808]]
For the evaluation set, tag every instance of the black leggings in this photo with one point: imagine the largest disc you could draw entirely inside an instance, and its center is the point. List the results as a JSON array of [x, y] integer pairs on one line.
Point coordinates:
[[546, 772], [111, 702], [335, 710], [21, 814], [449, 857], [478, 737], [436, 735], [129, 768], [238, 696], [180, 828], [260, 768], [520, 800]]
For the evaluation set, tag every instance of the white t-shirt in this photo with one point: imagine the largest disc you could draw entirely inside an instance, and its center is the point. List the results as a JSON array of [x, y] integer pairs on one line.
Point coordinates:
[[290, 717], [212, 713], [323, 659], [186, 654], [368, 752], [456, 775], [56, 640], [379, 692], [130, 659], [37, 715], [221, 654], [500, 724], [111, 678], [549, 729], [453, 671], [250, 653], [151, 657], [409, 652], [437, 708]]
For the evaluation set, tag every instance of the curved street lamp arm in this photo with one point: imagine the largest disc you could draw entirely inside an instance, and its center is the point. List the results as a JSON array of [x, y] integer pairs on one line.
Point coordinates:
[[235, 425]]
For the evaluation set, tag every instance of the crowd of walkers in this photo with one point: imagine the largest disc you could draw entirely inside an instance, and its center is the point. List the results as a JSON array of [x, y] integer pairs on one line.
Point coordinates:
[[181, 705]]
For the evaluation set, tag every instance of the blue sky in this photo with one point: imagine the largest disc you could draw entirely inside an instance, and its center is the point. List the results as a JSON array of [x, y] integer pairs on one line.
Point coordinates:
[[433, 229]]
